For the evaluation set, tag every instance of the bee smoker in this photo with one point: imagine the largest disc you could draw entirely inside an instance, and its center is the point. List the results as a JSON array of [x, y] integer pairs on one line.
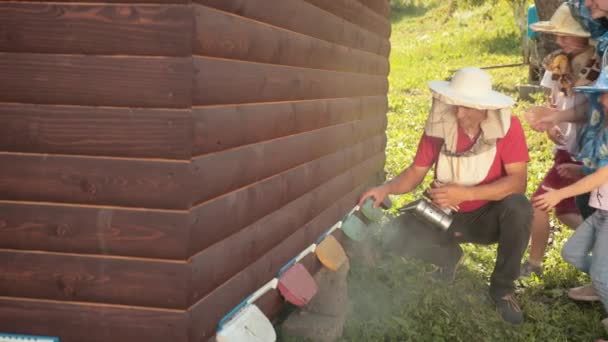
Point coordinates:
[[429, 212]]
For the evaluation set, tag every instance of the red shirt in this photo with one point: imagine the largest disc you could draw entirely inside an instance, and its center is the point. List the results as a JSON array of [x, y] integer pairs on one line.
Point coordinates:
[[512, 148]]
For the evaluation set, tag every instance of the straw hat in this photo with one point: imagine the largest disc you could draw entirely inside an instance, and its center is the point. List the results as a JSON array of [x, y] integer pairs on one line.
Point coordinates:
[[562, 22], [470, 87]]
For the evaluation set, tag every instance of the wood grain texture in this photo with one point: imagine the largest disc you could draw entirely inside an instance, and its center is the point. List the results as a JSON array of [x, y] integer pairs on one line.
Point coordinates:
[[99, 131], [163, 82], [218, 128], [207, 312], [94, 230], [73, 277], [253, 241], [85, 180], [356, 13], [222, 81], [78, 322], [221, 173], [302, 17], [225, 35], [96, 29]]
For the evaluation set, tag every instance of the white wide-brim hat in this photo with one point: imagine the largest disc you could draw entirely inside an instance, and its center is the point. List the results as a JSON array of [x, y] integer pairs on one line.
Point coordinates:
[[562, 22], [470, 87]]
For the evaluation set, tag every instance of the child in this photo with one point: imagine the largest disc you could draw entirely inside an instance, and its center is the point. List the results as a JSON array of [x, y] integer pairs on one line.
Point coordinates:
[[587, 249], [570, 66]]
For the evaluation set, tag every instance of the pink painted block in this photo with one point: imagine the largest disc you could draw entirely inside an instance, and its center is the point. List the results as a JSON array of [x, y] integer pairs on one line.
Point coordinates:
[[297, 285]]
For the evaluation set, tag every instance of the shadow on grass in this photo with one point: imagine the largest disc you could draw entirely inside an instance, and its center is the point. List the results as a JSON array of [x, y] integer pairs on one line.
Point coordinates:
[[402, 9]]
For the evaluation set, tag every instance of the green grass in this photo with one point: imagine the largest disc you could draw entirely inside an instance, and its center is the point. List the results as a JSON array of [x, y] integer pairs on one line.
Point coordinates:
[[397, 301]]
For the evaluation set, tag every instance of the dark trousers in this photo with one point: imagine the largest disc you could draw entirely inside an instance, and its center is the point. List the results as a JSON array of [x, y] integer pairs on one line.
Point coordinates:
[[506, 222]]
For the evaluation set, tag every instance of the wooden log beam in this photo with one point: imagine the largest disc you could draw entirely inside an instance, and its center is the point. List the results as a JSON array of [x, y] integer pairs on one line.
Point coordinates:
[[356, 13], [163, 82], [226, 35], [94, 278], [94, 230], [218, 128], [302, 17], [98, 131], [222, 81], [78, 322], [139, 183], [96, 29], [220, 173]]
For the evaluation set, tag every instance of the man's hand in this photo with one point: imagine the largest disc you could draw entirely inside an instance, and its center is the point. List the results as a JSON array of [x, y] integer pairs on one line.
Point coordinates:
[[548, 200], [449, 195], [378, 193], [570, 170]]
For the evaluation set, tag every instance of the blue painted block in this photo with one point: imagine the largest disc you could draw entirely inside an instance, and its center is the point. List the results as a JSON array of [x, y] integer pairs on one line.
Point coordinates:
[[26, 338]]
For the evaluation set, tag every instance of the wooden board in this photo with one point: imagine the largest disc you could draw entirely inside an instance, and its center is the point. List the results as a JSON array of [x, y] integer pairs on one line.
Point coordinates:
[[94, 230], [108, 181], [220, 173], [217, 128], [356, 13], [222, 81], [250, 243], [78, 322], [121, 81], [101, 131], [302, 17], [226, 35], [207, 312], [73, 277], [96, 29]]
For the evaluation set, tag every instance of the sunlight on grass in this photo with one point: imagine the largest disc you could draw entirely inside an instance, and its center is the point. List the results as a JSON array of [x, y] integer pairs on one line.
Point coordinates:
[[397, 301]]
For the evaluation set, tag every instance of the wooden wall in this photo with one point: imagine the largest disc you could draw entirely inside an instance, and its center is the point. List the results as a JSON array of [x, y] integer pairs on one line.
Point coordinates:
[[162, 159]]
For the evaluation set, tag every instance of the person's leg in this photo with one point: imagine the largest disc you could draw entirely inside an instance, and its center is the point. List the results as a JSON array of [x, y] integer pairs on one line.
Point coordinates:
[[541, 228], [539, 237], [577, 248], [576, 252], [599, 262], [514, 214], [508, 223], [570, 220]]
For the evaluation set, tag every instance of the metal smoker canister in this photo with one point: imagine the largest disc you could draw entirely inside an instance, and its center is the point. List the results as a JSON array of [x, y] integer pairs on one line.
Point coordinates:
[[431, 213]]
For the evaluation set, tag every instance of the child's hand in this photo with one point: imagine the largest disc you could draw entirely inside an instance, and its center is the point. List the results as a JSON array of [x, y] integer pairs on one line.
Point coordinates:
[[548, 200], [555, 134], [540, 118], [570, 170]]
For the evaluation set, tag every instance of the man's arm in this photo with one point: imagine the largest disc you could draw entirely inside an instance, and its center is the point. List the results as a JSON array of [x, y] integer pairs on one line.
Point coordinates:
[[513, 183], [452, 195], [405, 182]]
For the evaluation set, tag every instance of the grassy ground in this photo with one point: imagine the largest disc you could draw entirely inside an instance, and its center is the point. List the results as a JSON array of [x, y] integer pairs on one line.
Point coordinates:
[[397, 301]]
